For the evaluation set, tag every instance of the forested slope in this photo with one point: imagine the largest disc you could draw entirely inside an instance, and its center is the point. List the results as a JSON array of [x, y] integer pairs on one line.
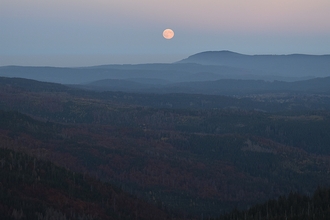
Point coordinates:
[[294, 206], [31, 188], [188, 158]]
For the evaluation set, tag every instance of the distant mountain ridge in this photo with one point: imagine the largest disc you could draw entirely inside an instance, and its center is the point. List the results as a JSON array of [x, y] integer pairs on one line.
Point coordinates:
[[204, 66], [285, 65]]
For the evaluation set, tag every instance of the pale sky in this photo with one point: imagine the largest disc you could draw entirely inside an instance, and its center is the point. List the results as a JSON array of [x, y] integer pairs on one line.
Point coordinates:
[[92, 32]]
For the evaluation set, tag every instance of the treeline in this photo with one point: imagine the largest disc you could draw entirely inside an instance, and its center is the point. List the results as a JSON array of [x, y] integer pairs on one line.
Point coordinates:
[[295, 206]]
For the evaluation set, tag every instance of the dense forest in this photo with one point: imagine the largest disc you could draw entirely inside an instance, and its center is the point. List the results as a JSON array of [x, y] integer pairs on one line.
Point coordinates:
[[171, 155], [293, 206], [35, 189]]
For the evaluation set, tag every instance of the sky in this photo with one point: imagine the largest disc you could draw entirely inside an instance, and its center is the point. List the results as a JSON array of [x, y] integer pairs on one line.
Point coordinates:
[[93, 32]]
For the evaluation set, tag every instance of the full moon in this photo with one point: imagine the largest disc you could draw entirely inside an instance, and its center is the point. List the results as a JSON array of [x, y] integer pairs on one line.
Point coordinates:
[[168, 34]]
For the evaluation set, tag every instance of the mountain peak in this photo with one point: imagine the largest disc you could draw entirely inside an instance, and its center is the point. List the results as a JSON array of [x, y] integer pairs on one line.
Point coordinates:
[[212, 57], [217, 54], [294, 65]]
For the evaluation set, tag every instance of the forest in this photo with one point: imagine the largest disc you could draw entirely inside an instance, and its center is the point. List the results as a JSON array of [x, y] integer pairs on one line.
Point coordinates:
[[292, 206], [84, 154]]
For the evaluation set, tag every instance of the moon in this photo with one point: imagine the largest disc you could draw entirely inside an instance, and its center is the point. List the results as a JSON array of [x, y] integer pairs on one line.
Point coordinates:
[[168, 34]]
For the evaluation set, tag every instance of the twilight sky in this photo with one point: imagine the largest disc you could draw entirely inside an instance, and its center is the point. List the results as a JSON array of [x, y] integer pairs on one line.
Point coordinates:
[[92, 32]]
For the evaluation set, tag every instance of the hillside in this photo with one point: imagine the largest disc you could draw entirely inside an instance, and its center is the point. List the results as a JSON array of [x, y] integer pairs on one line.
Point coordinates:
[[35, 189], [290, 207], [186, 156]]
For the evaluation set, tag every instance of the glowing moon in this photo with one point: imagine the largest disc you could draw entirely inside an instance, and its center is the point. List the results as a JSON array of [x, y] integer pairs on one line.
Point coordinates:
[[168, 34]]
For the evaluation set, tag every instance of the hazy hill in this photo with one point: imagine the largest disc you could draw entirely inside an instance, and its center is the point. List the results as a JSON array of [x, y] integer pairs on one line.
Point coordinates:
[[251, 95], [294, 65], [215, 87], [245, 87], [160, 72], [205, 66]]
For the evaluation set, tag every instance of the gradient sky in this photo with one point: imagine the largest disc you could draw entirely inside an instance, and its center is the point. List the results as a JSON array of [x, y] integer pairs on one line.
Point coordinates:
[[92, 32]]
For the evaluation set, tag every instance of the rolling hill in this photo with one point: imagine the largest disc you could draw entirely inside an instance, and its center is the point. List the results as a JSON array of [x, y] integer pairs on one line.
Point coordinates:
[[186, 154], [216, 87]]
